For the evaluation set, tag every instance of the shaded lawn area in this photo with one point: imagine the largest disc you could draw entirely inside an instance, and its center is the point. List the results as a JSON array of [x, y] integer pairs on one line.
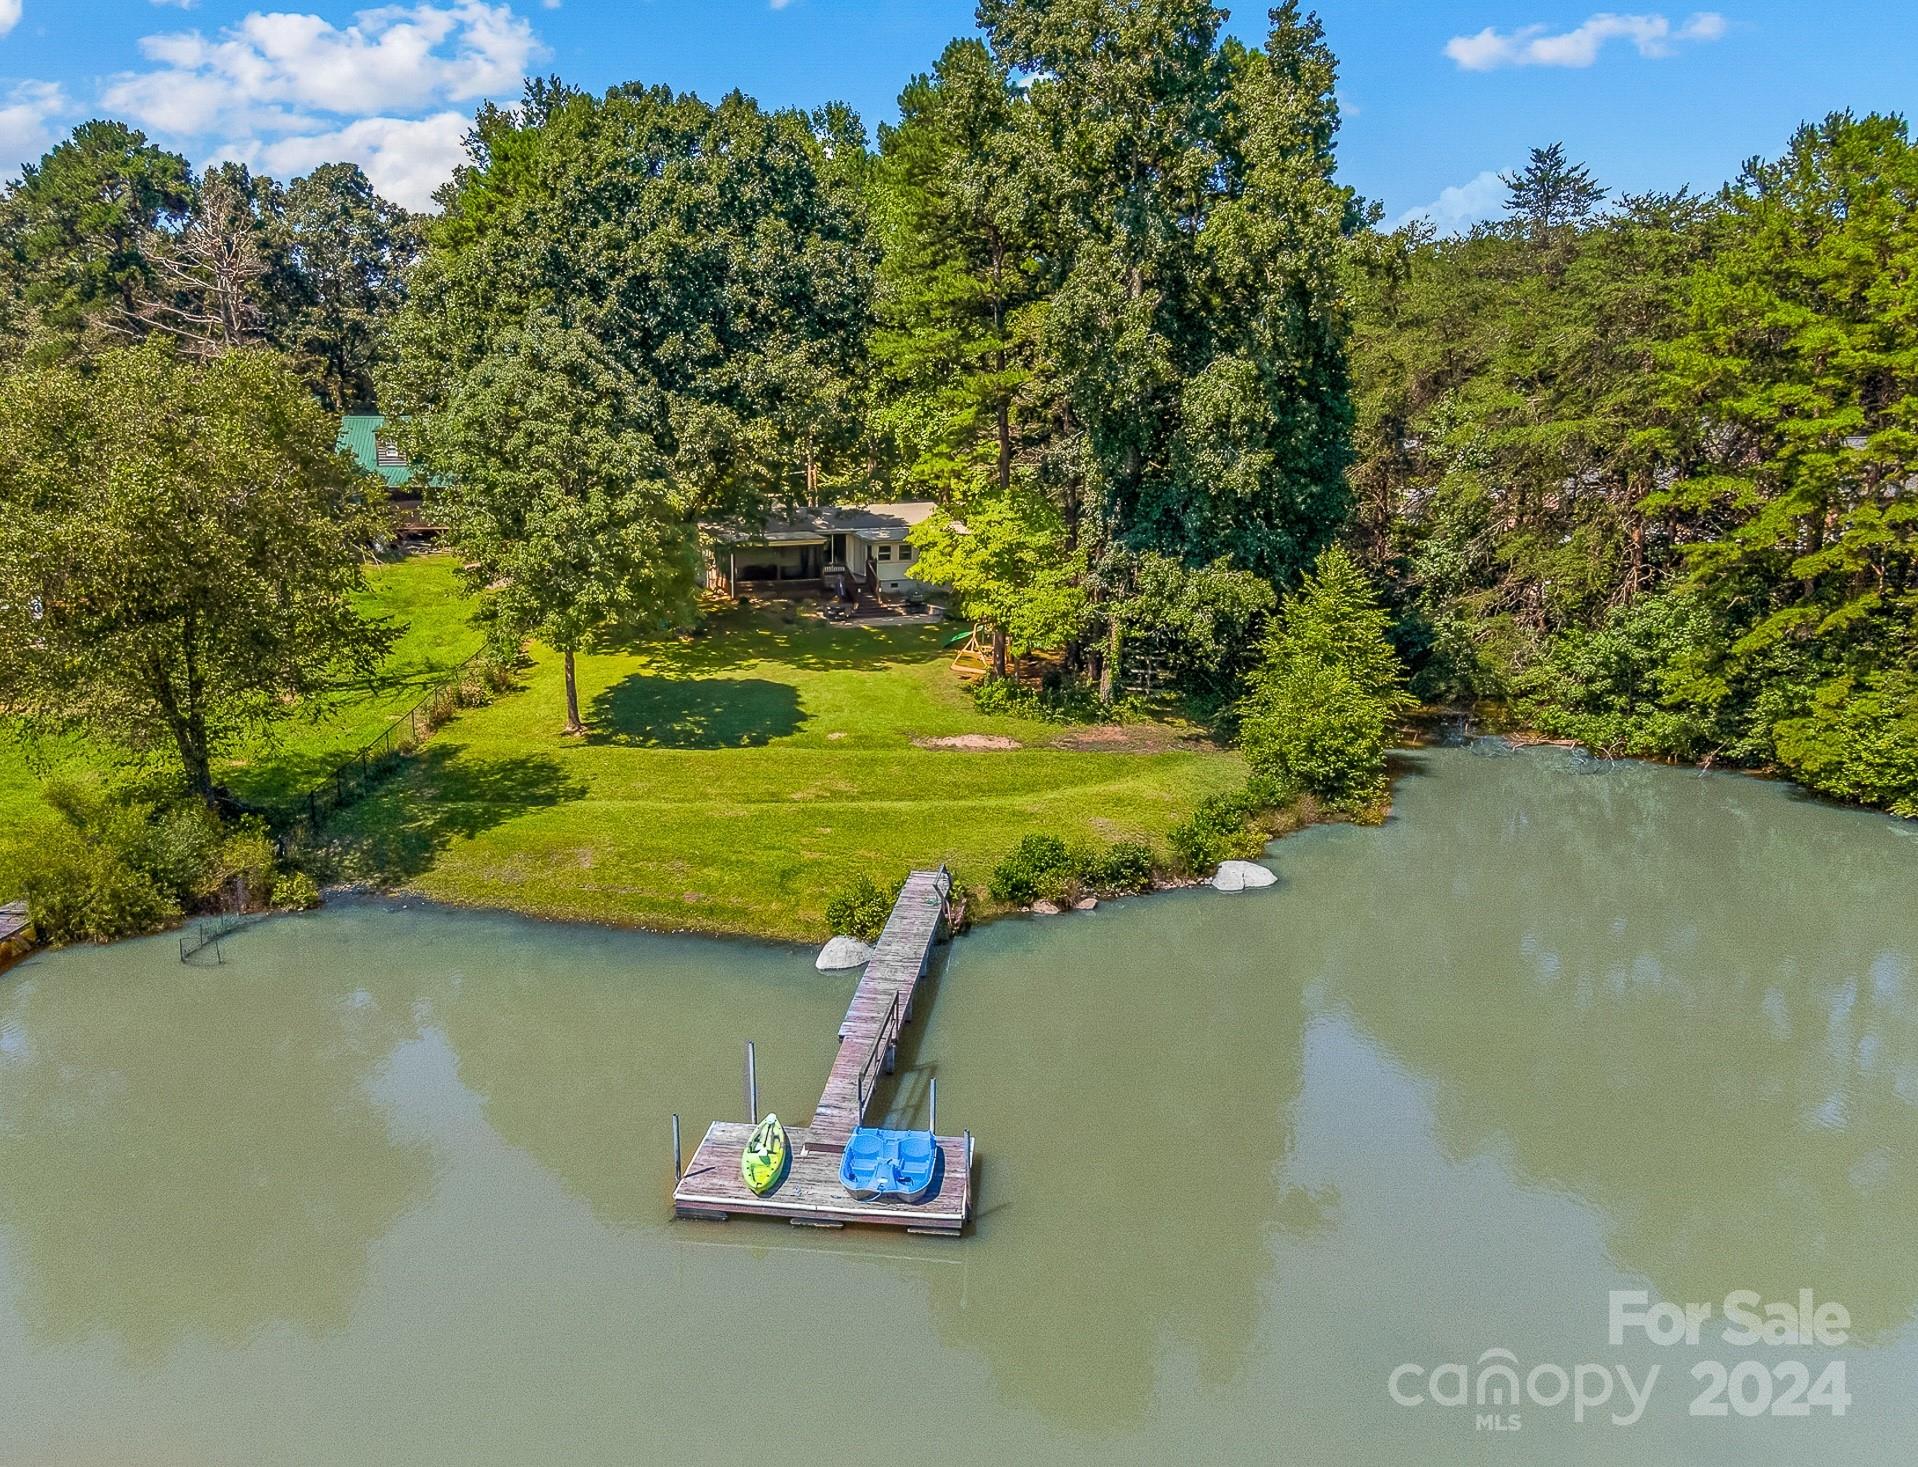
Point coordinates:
[[731, 783], [421, 594]]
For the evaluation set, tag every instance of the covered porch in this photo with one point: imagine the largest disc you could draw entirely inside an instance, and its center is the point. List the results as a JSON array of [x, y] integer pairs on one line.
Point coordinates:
[[789, 565]]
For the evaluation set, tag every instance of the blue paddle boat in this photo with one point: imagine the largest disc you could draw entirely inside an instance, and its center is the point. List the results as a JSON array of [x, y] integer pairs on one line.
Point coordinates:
[[897, 1164]]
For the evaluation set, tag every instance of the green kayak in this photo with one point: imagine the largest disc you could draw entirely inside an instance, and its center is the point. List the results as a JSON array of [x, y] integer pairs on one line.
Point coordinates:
[[764, 1161]]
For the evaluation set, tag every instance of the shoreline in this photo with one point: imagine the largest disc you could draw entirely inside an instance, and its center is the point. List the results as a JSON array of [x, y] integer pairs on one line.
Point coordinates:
[[1292, 820]]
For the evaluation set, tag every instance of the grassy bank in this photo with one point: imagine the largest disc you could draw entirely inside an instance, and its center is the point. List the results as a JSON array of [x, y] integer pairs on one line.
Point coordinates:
[[732, 782], [420, 595]]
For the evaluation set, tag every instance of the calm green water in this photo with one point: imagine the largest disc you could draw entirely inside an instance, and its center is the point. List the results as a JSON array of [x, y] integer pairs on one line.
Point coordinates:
[[391, 1186]]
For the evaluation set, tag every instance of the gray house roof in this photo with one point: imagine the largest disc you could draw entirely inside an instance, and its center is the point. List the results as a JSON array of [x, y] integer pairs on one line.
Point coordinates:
[[879, 524]]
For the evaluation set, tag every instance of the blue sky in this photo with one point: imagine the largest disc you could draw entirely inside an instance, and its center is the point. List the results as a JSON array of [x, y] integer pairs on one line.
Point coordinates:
[[1441, 94]]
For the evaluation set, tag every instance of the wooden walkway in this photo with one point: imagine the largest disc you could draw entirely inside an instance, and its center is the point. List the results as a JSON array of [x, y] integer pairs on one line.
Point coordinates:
[[712, 1187]]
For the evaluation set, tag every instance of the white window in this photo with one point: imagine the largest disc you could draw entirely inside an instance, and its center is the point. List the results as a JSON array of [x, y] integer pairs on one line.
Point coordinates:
[[905, 552], [885, 552], [387, 455]]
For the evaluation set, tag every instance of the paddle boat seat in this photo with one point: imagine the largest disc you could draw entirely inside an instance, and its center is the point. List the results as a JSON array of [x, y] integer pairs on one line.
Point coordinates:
[[880, 1163]]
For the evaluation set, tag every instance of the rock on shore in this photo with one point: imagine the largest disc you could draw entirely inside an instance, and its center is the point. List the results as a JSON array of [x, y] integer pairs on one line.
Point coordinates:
[[1242, 876], [843, 952]]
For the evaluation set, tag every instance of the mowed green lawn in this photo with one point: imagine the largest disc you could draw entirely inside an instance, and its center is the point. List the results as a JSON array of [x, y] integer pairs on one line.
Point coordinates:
[[732, 782], [420, 595]]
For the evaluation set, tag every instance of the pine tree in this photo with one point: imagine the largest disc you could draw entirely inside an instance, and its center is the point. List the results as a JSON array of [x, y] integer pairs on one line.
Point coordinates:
[[1550, 194]]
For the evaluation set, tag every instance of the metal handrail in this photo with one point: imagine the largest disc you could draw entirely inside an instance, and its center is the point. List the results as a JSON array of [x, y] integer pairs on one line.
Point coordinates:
[[885, 1036]]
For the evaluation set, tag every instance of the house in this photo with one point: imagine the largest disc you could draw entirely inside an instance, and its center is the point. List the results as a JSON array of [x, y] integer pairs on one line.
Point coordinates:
[[846, 550], [360, 436]]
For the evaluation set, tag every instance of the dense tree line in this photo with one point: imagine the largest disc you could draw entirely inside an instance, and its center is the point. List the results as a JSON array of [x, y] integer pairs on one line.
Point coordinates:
[[110, 240], [1111, 317], [1645, 470], [1634, 470]]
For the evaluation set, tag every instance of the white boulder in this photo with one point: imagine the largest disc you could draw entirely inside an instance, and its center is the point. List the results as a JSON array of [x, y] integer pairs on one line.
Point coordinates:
[[843, 952], [1242, 876]]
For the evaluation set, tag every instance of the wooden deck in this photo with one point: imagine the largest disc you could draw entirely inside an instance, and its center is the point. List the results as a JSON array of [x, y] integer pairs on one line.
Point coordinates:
[[811, 1195], [711, 1185], [14, 924]]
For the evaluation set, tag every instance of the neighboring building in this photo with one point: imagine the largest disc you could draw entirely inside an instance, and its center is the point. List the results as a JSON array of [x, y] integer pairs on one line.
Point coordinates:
[[846, 549], [360, 436]]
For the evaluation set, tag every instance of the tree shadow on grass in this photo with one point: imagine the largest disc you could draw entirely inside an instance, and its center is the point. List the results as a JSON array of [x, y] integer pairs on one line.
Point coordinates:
[[732, 638], [694, 713], [442, 794]]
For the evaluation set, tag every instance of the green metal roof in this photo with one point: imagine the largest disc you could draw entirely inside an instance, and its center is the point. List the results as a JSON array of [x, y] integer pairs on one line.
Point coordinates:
[[359, 434]]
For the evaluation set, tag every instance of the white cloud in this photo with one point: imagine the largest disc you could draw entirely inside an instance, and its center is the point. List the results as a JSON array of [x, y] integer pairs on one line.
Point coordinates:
[[406, 158], [398, 58], [1459, 207], [288, 91], [178, 4], [9, 15], [1537, 45], [27, 114]]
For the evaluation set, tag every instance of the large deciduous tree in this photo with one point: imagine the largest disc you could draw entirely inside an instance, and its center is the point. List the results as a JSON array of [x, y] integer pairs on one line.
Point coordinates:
[[1012, 569], [699, 275], [560, 497], [348, 250], [718, 253], [179, 550]]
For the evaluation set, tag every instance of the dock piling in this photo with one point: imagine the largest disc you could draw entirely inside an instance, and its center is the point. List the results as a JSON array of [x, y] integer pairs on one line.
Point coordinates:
[[678, 1170], [752, 1086], [932, 1119]]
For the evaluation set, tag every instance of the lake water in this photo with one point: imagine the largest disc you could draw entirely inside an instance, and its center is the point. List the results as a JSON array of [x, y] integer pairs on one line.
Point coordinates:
[[391, 1185]]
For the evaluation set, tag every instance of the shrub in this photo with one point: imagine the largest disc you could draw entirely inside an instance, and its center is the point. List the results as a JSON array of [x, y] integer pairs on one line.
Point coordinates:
[[1073, 700], [1314, 729], [860, 909], [1122, 867], [96, 868], [78, 891], [1858, 742], [248, 866], [1329, 693], [295, 891], [1039, 867], [176, 846], [1223, 828], [102, 864], [1630, 686]]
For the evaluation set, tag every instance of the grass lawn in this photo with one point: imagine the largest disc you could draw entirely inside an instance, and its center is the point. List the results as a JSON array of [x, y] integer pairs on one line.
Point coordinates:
[[732, 782], [420, 594]]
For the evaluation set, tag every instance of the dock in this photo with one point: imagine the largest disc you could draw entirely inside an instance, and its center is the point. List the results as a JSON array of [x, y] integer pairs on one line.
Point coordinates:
[[711, 1186], [16, 932]]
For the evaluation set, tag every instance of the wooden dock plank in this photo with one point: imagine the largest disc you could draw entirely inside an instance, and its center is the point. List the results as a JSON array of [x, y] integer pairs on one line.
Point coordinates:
[[712, 1186], [879, 1006], [16, 932]]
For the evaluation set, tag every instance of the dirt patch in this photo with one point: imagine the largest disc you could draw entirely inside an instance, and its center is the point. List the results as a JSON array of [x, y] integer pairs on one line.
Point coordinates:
[[1131, 738], [969, 741]]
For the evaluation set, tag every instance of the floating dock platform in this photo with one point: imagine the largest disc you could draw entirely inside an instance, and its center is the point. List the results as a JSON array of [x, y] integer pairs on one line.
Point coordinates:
[[810, 1195]]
